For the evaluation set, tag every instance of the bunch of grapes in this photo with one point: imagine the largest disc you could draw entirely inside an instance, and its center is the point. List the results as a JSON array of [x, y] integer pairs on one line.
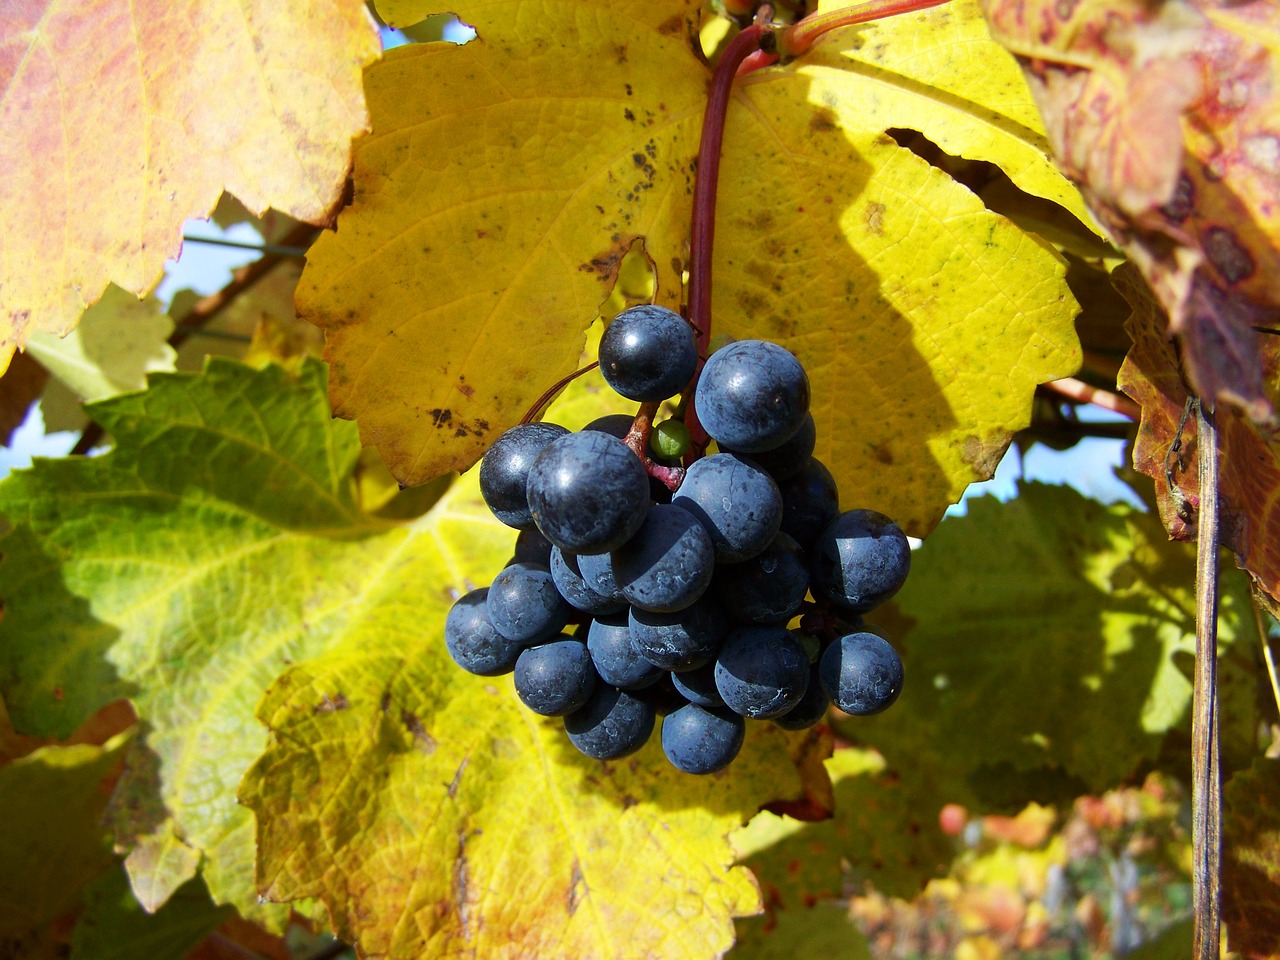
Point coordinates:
[[639, 588]]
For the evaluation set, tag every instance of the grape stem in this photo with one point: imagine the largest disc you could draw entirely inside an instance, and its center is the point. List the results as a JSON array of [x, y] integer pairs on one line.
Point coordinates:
[[637, 439], [797, 39], [540, 405]]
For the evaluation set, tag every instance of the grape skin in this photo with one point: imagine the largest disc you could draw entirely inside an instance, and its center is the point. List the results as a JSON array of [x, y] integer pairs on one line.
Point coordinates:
[[612, 724], [616, 658], [768, 588], [737, 502], [762, 672], [556, 678], [524, 604], [861, 673], [504, 471], [473, 643], [700, 741], [682, 640], [752, 396], [668, 564], [648, 353], [567, 574], [588, 492], [860, 560]]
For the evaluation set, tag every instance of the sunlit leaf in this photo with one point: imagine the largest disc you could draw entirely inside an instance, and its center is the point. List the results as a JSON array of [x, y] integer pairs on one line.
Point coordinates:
[[505, 178]]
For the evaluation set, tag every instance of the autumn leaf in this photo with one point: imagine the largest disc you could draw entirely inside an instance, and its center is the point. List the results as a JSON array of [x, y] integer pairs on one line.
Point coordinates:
[[122, 120], [1164, 114], [1249, 469], [505, 179]]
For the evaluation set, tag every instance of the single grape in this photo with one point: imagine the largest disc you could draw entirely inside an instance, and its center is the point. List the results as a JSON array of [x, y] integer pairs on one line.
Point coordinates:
[[524, 604], [762, 672], [810, 501], [648, 353], [614, 424], [767, 589], [860, 560], [588, 492], [504, 471], [752, 396], [861, 673], [811, 708], [698, 740], [790, 458], [473, 643], [736, 501], [574, 588], [682, 640], [555, 678], [611, 725], [668, 564], [532, 547], [616, 658]]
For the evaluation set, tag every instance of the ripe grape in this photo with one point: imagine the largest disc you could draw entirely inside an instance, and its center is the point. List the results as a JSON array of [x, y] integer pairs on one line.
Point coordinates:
[[811, 708], [473, 643], [569, 580], [616, 658], [612, 724], [504, 471], [861, 674], [767, 589], [524, 604], [860, 560], [648, 353], [700, 740], [555, 678], [737, 502], [752, 396], [588, 492], [790, 458], [668, 564], [682, 640], [810, 501], [762, 672]]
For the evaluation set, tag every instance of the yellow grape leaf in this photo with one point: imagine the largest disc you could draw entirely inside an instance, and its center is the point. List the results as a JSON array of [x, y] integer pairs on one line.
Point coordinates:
[[122, 120], [1166, 116], [433, 814], [504, 180]]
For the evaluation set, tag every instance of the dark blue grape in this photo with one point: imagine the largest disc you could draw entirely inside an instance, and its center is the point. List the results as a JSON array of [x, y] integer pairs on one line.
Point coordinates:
[[762, 672], [611, 725], [473, 643], [555, 678], [597, 574], [752, 396], [648, 353], [614, 424], [790, 458], [588, 492], [574, 588], [668, 564], [861, 674], [662, 695], [736, 501], [682, 640], [810, 501], [699, 685], [524, 604], [616, 658], [860, 560], [811, 708], [698, 740], [767, 589], [504, 471]]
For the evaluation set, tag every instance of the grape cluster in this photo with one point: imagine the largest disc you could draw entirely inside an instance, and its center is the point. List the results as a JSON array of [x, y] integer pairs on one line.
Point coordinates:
[[626, 600]]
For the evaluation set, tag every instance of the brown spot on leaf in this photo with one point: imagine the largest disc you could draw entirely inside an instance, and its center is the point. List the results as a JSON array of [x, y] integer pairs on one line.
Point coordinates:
[[1183, 201], [823, 121], [874, 217], [440, 417], [332, 704], [984, 453], [457, 777], [577, 887], [420, 735], [671, 26]]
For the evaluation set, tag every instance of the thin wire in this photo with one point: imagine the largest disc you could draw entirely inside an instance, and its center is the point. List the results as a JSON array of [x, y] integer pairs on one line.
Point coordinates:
[[273, 248]]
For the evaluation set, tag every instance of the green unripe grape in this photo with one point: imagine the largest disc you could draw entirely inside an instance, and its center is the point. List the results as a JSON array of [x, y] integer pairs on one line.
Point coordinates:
[[669, 439]]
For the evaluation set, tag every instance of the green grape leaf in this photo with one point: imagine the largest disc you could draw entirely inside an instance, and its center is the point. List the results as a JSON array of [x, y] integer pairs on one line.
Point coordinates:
[[505, 179], [1041, 640]]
